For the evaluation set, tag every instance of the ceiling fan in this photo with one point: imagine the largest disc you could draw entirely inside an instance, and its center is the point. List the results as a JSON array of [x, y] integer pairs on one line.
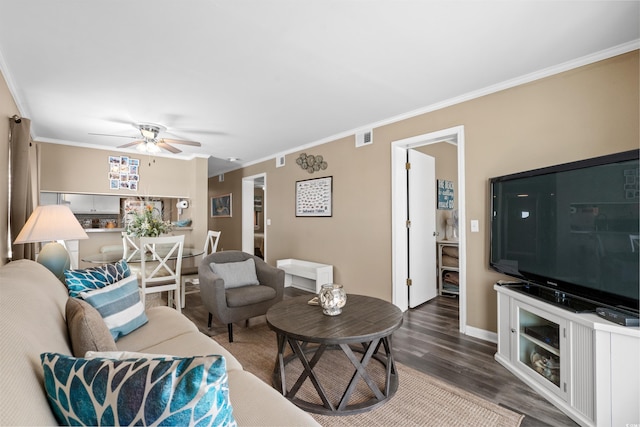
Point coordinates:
[[149, 141]]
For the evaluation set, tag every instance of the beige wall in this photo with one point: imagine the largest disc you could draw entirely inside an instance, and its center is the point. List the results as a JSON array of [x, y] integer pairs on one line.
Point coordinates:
[[67, 169], [85, 171], [231, 227], [7, 109], [582, 113]]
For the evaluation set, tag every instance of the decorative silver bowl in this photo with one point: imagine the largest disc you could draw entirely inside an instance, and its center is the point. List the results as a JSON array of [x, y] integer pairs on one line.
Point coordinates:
[[332, 298]]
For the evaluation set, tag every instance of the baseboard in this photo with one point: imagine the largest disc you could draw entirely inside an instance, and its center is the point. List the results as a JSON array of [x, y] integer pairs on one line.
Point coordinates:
[[482, 334]]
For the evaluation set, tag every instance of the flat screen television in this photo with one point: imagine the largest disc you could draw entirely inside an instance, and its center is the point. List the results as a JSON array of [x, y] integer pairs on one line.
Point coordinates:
[[572, 228]]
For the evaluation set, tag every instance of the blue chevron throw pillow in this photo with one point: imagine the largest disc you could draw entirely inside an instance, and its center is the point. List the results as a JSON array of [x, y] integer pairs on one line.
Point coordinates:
[[92, 278], [140, 391]]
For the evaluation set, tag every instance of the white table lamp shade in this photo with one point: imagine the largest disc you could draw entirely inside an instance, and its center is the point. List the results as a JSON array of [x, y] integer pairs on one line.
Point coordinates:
[[48, 224]]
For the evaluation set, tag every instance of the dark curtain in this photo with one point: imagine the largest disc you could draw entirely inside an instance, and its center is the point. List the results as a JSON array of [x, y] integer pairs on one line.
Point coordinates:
[[23, 166]]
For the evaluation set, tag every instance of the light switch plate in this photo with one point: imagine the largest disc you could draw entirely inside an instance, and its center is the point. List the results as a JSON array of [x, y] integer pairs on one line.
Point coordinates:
[[475, 226]]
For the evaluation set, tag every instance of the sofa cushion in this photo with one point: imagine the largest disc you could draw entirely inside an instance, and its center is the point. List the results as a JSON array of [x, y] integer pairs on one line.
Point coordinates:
[[32, 321], [139, 391], [189, 344], [236, 274], [268, 410], [87, 330], [91, 278], [119, 305]]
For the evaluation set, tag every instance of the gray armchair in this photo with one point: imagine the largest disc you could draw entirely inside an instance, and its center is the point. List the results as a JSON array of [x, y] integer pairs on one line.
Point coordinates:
[[242, 302]]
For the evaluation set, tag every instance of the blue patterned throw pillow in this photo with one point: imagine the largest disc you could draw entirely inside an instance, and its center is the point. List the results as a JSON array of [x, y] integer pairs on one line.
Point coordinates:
[[174, 391], [91, 278], [119, 305]]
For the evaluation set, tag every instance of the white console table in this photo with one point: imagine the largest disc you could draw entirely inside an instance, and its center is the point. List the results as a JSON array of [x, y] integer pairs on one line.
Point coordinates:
[[586, 366], [306, 275]]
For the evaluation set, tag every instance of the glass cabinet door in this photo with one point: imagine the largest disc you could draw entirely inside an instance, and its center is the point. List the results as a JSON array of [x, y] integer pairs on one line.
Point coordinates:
[[540, 342]]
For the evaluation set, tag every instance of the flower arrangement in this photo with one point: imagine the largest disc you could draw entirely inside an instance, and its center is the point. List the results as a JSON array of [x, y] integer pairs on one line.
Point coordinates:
[[147, 223]]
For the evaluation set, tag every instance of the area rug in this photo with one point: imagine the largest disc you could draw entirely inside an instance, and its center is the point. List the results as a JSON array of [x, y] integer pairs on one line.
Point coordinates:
[[421, 400]]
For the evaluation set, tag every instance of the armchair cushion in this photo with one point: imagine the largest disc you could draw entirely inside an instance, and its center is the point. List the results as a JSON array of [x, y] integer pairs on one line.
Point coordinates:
[[236, 274], [246, 295]]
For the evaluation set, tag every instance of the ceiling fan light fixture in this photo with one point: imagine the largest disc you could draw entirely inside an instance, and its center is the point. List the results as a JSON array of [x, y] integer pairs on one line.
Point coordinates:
[[151, 142], [152, 147], [148, 147], [148, 133]]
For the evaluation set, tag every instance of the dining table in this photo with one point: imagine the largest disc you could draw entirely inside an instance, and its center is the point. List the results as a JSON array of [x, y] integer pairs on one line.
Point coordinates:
[[114, 256]]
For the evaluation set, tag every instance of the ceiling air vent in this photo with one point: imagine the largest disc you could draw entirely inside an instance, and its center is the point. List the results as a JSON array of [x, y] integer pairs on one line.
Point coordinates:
[[364, 138]]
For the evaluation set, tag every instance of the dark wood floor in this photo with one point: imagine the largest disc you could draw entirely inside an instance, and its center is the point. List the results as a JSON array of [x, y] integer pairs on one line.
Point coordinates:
[[429, 341]]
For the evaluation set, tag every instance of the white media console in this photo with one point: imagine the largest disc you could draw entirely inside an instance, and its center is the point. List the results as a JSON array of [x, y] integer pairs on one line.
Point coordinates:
[[586, 366]]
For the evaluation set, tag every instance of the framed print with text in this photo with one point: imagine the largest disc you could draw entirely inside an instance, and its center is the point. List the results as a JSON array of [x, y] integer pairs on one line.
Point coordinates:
[[314, 197]]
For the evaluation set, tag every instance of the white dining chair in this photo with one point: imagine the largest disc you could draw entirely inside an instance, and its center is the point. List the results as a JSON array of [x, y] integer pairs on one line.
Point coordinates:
[[160, 270], [190, 274], [130, 247]]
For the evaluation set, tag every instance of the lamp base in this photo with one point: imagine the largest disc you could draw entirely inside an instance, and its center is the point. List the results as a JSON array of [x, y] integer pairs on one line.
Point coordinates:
[[55, 257]]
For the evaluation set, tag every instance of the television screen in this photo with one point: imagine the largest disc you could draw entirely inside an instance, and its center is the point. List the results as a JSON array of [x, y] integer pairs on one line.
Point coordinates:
[[572, 227]]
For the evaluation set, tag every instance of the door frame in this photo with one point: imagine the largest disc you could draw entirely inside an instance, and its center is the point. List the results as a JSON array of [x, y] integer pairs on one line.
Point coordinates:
[[399, 252], [248, 233]]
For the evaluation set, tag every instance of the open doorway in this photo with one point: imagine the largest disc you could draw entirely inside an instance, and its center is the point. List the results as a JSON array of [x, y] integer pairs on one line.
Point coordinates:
[[400, 196], [254, 209]]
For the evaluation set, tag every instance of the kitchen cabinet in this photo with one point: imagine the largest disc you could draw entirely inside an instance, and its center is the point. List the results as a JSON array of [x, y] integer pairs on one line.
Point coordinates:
[[92, 203]]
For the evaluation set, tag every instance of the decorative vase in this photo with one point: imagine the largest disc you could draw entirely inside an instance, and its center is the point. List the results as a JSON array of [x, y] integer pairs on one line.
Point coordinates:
[[332, 298], [449, 234]]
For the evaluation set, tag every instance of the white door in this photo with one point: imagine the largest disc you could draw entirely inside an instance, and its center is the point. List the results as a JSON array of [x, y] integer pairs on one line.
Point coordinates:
[[247, 215], [248, 212], [422, 239]]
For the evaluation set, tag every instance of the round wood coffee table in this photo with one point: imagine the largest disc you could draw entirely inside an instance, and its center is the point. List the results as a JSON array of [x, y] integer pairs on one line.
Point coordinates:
[[365, 326]]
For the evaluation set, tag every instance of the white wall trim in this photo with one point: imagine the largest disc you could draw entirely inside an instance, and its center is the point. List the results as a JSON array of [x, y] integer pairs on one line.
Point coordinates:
[[482, 334]]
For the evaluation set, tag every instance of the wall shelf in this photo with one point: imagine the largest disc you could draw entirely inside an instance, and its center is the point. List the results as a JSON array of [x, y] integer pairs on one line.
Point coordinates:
[[447, 264]]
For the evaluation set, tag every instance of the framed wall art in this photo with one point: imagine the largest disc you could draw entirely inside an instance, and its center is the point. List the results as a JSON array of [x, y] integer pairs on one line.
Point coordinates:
[[123, 173], [221, 206], [445, 194], [314, 197]]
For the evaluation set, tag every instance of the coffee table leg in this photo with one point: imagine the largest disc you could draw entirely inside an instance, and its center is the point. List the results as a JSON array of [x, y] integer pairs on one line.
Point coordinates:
[[278, 370], [308, 372], [391, 364], [360, 371]]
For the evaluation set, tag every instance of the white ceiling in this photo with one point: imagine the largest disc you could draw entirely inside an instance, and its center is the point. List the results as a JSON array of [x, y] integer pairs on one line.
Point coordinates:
[[256, 78]]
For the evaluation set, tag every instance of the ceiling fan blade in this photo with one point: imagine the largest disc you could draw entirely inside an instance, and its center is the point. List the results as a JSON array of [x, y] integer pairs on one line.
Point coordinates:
[[168, 147], [181, 141], [117, 136], [130, 144], [195, 131]]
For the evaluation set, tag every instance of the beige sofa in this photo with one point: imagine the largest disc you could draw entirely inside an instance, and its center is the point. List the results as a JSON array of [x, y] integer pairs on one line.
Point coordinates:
[[32, 321]]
